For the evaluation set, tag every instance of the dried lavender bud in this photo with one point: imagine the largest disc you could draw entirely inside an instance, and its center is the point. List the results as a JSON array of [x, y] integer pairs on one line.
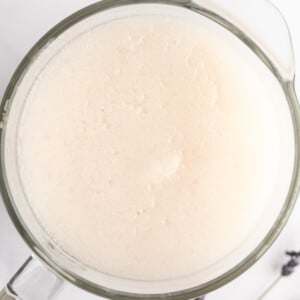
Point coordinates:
[[291, 265], [293, 254], [286, 270]]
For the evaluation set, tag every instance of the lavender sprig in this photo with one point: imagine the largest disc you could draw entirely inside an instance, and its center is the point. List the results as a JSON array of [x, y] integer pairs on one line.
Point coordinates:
[[286, 270], [290, 266]]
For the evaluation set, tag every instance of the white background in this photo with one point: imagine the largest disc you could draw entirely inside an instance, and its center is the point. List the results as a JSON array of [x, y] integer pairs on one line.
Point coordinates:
[[21, 24]]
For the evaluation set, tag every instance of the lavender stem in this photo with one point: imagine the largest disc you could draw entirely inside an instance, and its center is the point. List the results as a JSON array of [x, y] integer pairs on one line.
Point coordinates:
[[270, 287]]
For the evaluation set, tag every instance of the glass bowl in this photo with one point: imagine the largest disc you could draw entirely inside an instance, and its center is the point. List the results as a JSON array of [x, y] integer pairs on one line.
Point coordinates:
[[237, 19]]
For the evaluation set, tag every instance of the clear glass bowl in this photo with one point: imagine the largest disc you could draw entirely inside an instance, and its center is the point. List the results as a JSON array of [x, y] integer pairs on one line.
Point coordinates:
[[242, 20]]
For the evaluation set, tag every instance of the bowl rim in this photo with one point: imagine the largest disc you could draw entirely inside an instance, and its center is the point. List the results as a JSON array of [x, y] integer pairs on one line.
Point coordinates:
[[247, 262]]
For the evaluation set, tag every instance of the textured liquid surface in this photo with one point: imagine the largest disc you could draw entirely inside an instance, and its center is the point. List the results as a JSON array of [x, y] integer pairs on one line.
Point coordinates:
[[150, 152]]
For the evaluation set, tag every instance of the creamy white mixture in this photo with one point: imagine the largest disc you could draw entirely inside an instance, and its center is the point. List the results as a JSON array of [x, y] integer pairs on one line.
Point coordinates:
[[149, 147]]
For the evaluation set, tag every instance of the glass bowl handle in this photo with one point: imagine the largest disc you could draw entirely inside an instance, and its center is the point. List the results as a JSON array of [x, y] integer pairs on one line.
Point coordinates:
[[32, 281], [262, 22]]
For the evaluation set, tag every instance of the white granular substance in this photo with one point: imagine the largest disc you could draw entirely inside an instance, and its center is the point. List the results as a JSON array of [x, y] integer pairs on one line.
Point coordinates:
[[149, 147]]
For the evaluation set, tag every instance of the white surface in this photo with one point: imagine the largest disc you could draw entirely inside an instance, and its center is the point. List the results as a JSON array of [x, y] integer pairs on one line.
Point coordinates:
[[21, 24]]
